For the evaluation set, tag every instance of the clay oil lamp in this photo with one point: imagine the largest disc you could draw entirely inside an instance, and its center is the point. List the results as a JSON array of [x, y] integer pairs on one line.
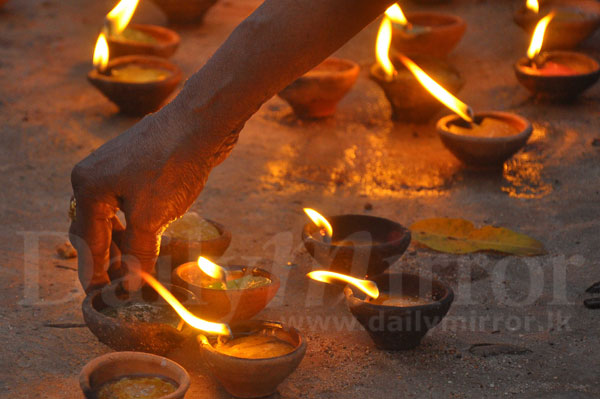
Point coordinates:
[[255, 359], [192, 236], [227, 294], [575, 20], [356, 245], [425, 33], [150, 320], [410, 102], [555, 75], [185, 11], [130, 39], [137, 84], [317, 93], [133, 374]]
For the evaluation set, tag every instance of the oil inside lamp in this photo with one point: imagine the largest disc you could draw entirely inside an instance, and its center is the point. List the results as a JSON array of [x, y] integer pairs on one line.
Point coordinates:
[[212, 276], [257, 345], [325, 229], [367, 286]]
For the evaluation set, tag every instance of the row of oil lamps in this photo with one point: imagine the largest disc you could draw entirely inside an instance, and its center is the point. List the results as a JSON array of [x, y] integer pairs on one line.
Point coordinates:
[[250, 357], [139, 78]]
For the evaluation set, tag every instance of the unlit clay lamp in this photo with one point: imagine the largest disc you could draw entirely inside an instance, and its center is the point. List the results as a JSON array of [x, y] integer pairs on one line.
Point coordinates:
[[317, 93], [400, 313], [425, 33], [227, 294], [185, 11], [555, 75], [137, 84], [575, 20], [109, 375], [144, 39], [409, 101], [356, 245], [258, 357]]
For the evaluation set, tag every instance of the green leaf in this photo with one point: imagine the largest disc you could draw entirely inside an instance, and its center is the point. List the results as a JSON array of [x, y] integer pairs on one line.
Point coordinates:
[[459, 236]]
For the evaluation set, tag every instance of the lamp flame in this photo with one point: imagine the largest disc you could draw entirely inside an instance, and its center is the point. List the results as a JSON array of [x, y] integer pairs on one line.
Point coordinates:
[[382, 47], [320, 221], [367, 286], [443, 95], [118, 18], [212, 269], [186, 315], [394, 12], [538, 36], [100, 59], [533, 5]]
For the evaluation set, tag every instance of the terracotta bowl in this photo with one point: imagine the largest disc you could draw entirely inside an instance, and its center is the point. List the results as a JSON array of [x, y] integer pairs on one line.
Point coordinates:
[[254, 378], [444, 31], [113, 366], [409, 100], [157, 338], [182, 250], [400, 328], [185, 11], [559, 87], [485, 152], [133, 98], [167, 42], [562, 33], [228, 305], [361, 245], [316, 93]]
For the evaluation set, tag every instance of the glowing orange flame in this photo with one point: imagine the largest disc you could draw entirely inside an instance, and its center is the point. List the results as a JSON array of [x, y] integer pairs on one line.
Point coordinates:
[[394, 12], [533, 5], [367, 286], [101, 53], [382, 47], [212, 269], [203, 325], [538, 36], [118, 18], [320, 221], [443, 95]]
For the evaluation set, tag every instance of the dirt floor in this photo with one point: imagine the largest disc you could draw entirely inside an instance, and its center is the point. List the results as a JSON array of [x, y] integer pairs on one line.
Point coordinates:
[[52, 117]]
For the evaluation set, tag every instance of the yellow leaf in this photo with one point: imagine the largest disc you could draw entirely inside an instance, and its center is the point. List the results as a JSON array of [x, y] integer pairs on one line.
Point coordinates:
[[459, 236]]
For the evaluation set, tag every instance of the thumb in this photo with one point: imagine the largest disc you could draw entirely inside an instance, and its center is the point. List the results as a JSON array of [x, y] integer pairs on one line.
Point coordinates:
[[139, 252]]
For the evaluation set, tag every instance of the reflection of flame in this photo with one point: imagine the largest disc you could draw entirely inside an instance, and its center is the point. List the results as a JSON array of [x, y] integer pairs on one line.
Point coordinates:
[[394, 12], [101, 53], [367, 286], [382, 47], [320, 221], [203, 325], [212, 269], [538, 36], [443, 95], [533, 5], [118, 18]]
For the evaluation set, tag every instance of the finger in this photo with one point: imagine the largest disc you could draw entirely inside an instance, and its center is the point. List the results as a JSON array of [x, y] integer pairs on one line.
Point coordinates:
[[90, 234], [115, 270], [140, 250]]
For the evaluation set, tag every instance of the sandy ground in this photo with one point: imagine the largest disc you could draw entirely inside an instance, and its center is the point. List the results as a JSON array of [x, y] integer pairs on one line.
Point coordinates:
[[51, 117]]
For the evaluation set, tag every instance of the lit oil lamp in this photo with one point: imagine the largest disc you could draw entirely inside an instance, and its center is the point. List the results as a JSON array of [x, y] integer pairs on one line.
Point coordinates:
[[357, 245], [258, 357], [137, 84], [317, 93], [114, 375], [150, 320], [227, 294], [129, 39], [408, 99], [397, 310], [425, 33], [575, 20], [555, 75], [185, 11], [192, 236]]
